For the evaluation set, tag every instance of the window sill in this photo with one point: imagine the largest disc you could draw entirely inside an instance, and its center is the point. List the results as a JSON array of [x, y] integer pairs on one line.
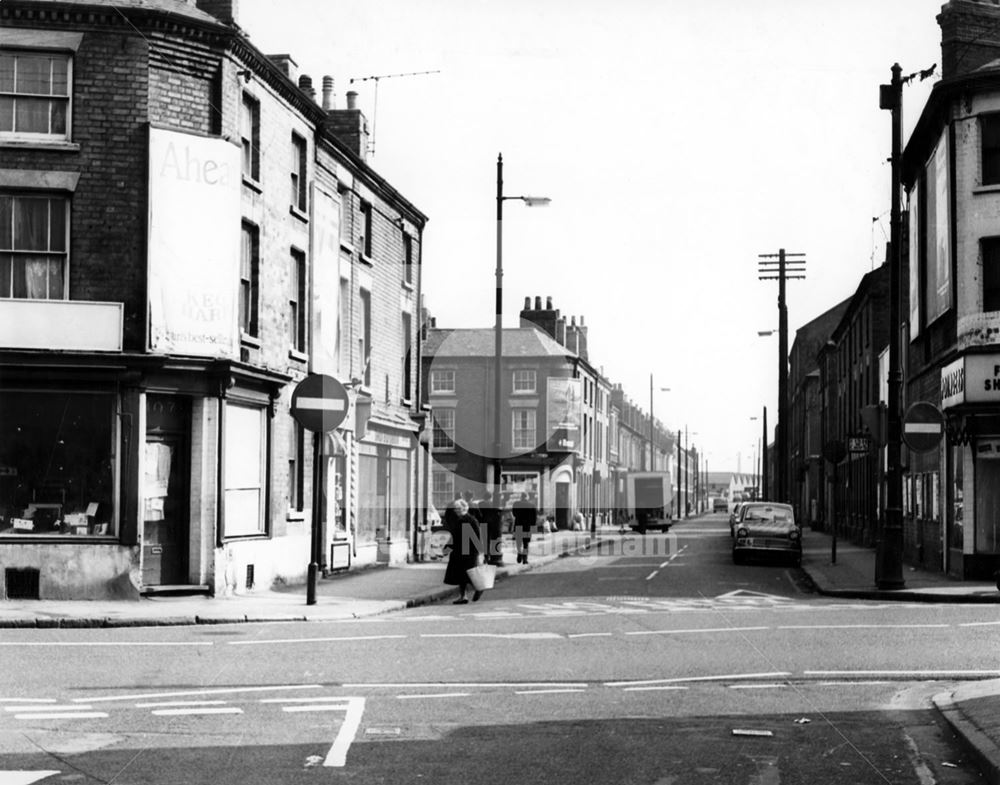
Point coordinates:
[[407, 402], [253, 185], [443, 393], [297, 213], [366, 259], [62, 539], [295, 515], [245, 537], [31, 144], [294, 354], [251, 341], [987, 189], [408, 286], [346, 246]]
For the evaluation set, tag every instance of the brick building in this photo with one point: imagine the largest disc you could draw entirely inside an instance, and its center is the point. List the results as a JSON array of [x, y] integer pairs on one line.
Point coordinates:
[[186, 233]]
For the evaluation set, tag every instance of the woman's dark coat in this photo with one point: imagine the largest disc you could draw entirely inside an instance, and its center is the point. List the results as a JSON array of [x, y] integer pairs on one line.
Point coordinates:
[[467, 545]]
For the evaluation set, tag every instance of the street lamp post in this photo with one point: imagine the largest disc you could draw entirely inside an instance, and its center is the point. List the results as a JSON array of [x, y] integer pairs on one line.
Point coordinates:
[[652, 427], [530, 201]]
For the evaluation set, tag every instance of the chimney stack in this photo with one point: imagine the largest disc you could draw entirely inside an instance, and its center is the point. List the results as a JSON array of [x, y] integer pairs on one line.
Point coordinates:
[[970, 36], [352, 100], [287, 65], [328, 97], [226, 11], [306, 86], [349, 125]]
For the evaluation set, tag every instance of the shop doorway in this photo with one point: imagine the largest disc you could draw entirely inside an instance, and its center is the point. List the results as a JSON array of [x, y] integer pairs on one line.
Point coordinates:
[[562, 505], [165, 532]]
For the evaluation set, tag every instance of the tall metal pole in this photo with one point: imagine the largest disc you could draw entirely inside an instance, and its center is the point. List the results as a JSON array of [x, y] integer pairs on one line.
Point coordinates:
[[687, 471], [652, 467], [679, 516], [498, 343], [763, 462], [781, 465], [889, 549]]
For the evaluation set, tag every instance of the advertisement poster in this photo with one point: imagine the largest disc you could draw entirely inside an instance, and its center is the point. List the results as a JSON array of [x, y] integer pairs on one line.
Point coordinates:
[[325, 226], [938, 291], [194, 244], [564, 406], [914, 221]]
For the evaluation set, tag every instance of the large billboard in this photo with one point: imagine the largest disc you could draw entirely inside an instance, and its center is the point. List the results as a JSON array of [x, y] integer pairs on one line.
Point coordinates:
[[914, 236], [326, 281], [564, 414], [194, 244], [938, 211]]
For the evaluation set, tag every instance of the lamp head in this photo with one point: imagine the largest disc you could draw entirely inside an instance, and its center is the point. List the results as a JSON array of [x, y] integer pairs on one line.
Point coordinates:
[[535, 201]]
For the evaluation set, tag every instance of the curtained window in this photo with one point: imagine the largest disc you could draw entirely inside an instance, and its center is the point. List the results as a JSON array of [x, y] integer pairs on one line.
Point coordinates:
[[35, 94], [33, 246]]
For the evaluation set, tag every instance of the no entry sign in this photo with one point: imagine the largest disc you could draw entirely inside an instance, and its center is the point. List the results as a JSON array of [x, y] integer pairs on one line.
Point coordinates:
[[923, 426], [319, 403]]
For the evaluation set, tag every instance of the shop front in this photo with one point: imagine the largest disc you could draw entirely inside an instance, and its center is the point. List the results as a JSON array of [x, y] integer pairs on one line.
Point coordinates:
[[970, 396]]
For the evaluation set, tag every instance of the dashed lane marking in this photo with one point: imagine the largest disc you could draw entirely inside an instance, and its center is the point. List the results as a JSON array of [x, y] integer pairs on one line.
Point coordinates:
[[341, 639], [186, 693], [192, 711], [434, 695], [62, 715]]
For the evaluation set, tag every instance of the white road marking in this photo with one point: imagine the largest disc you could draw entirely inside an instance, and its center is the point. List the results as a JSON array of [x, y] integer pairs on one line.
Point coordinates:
[[166, 704], [523, 636], [337, 756], [590, 635], [62, 715], [434, 695], [25, 777], [684, 632], [185, 693], [195, 711], [942, 673], [468, 684], [757, 686], [27, 700], [322, 699], [979, 624], [656, 687], [47, 707], [651, 575], [318, 640], [862, 626], [545, 692], [682, 679], [320, 707], [849, 683], [106, 643]]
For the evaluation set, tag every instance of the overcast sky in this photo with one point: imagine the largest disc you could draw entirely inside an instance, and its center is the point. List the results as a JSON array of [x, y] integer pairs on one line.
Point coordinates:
[[677, 140]]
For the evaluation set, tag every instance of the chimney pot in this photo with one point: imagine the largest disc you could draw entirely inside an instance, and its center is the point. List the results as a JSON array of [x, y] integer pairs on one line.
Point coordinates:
[[548, 303], [581, 321], [328, 99], [352, 99], [527, 303], [572, 321], [538, 303]]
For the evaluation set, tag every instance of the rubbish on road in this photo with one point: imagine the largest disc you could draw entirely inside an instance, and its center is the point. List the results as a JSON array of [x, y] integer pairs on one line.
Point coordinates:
[[802, 720], [949, 765], [751, 732]]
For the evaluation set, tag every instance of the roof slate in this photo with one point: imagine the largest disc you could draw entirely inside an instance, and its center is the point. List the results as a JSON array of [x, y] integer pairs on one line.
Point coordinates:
[[480, 342]]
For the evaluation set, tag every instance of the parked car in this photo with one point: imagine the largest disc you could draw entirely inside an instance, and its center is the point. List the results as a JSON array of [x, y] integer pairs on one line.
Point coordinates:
[[767, 529]]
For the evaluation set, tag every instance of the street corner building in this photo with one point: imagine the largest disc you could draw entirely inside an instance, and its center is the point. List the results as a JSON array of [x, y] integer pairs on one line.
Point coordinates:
[[186, 232]]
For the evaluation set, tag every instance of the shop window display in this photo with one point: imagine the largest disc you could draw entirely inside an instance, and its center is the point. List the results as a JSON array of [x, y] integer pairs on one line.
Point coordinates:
[[56, 464]]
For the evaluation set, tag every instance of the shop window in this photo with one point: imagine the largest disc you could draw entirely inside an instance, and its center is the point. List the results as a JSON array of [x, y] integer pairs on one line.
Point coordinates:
[[246, 469], [33, 246], [35, 95], [57, 463], [444, 429], [250, 136]]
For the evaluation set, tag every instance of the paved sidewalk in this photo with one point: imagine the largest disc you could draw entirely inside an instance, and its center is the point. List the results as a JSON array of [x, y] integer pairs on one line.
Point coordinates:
[[973, 708], [351, 595]]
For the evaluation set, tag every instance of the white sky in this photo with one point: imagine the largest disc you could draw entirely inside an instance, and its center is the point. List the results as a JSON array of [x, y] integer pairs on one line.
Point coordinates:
[[677, 139]]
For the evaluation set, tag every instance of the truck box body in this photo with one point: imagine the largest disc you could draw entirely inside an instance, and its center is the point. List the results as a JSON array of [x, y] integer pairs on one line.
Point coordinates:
[[648, 497]]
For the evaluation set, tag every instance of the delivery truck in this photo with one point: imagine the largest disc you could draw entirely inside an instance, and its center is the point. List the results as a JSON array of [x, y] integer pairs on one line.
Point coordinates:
[[648, 498]]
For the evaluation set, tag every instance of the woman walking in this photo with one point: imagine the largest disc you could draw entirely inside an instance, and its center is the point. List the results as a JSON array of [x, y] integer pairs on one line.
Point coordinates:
[[466, 550]]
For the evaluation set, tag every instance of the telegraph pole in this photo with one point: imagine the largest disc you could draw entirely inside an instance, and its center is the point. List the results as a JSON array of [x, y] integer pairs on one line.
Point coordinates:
[[788, 265], [889, 549]]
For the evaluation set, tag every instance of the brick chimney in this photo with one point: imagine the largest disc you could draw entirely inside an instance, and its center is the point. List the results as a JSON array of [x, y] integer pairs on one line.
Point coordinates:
[[287, 65], [970, 35], [545, 319], [349, 125], [226, 11], [306, 86], [576, 337]]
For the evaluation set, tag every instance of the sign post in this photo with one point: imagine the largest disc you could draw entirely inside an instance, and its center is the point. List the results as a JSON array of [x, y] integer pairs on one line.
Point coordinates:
[[319, 404], [834, 451]]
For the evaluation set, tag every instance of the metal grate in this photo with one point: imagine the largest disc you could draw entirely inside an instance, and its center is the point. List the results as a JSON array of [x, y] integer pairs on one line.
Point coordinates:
[[249, 577], [21, 583]]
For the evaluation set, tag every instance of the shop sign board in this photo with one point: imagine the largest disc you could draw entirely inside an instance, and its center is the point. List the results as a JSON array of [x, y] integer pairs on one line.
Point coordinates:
[[859, 444], [923, 426], [988, 448], [319, 403], [974, 378]]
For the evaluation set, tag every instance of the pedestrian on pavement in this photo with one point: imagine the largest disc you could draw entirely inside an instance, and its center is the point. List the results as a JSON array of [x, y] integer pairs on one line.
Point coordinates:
[[489, 509], [525, 517], [473, 505], [466, 550]]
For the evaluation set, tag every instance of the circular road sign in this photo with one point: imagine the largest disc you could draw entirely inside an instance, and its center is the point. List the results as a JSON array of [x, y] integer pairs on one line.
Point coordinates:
[[319, 403], [835, 451], [923, 426]]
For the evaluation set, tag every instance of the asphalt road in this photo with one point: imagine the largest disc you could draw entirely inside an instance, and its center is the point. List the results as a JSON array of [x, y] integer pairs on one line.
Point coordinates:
[[655, 661]]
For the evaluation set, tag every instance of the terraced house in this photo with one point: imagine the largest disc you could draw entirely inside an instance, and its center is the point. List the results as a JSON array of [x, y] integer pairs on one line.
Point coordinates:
[[185, 233]]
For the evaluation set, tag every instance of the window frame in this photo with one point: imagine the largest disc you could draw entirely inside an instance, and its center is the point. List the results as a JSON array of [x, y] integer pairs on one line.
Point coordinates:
[[365, 299], [298, 301], [407, 259], [249, 285], [263, 466], [520, 440], [444, 433], [991, 293], [66, 100], [368, 223], [439, 375], [7, 269], [406, 328], [299, 183], [250, 156], [516, 390]]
